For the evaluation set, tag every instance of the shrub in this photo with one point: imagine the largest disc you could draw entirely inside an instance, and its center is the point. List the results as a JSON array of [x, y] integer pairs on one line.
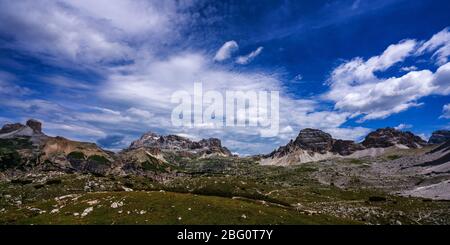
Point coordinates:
[[76, 155], [98, 159]]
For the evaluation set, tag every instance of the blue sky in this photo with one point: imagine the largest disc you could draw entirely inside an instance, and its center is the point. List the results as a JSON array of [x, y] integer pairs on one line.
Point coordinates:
[[103, 71]]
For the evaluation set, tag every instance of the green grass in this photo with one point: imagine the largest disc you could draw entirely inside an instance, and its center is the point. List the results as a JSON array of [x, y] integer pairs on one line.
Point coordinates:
[[356, 161], [393, 157], [76, 155], [161, 208], [218, 191], [16, 143], [9, 158], [99, 159]]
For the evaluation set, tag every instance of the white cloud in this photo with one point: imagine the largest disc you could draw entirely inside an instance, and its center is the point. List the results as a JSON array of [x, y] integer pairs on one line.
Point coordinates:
[[8, 86], [226, 51], [140, 113], [65, 82], [243, 60], [408, 68], [65, 129], [446, 111], [355, 88], [87, 32], [355, 133], [133, 97], [402, 126], [439, 44]]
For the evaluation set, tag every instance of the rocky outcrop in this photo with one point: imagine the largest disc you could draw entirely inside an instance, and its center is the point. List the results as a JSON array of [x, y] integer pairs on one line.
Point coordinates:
[[315, 145], [35, 125], [439, 137], [346, 147], [387, 137], [8, 128], [311, 145], [26, 147], [177, 143], [317, 141], [32, 128], [314, 140]]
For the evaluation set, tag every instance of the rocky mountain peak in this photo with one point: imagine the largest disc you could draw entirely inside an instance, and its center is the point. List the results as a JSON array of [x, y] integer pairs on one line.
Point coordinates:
[[317, 141], [314, 140], [386, 137], [439, 137], [180, 143], [32, 128], [35, 125], [10, 127]]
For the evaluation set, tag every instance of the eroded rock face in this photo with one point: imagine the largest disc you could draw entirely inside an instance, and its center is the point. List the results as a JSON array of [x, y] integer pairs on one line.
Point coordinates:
[[317, 141], [314, 140], [8, 128], [386, 137], [180, 144], [346, 147], [27, 147], [439, 137], [35, 125]]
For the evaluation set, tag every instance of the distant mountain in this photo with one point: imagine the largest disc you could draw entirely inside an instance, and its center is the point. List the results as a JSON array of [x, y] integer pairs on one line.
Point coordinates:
[[439, 137], [154, 153], [181, 144], [315, 145], [26, 147], [386, 137]]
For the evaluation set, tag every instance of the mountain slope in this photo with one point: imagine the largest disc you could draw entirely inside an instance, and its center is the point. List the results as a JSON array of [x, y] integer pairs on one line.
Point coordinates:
[[315, 145]]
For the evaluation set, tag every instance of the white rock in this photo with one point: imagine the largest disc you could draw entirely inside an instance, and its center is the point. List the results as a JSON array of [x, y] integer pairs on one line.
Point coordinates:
[[116, 204], [126, 189], [93, 202], [87, 211]]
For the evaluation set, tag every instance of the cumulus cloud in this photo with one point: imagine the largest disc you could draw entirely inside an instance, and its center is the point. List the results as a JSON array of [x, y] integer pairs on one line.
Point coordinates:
[[408, 68], [439, 44], [243, 60], [402, 126], [446, 111], [355, 87], [226, 51], [86, 32]]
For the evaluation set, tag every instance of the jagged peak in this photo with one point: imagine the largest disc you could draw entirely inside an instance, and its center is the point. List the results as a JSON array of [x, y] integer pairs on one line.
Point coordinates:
[[179, 143]]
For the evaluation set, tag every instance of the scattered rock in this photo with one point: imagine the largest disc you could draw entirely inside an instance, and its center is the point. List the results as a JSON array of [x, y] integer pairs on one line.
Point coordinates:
[[93, 202], [87, 211], [116, 204], [127, 189]]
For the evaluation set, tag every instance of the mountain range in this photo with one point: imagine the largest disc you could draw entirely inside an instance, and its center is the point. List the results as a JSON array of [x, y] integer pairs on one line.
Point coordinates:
[[388, 164]]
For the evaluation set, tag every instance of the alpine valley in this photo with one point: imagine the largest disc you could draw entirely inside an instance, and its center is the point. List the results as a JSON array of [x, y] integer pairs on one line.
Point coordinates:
[[391, 177]]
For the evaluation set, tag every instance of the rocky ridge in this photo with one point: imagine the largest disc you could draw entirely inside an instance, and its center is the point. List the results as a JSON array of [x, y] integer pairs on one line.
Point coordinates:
[[315, 145], [439, 137], [27, 148]]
